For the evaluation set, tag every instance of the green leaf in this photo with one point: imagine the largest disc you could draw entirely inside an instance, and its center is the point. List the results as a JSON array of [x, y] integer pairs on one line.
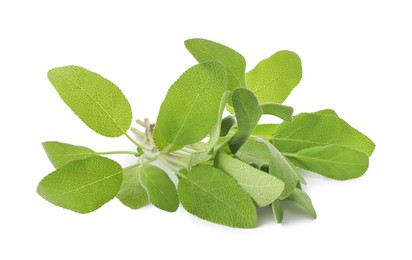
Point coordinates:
[[327, 112], [309, 130], [162, 144], [265, 131], [277, 211], [212, 195], [248, 113], [262, 187], [205, 50], [282, 169], [191, 106], [254, 152], [333, 161], [215, 133], [227, 123], [273, 78], [160, 188], [301, 198], [279, 110], [61, 153], [82, 185], [131, 193], [95, 100]]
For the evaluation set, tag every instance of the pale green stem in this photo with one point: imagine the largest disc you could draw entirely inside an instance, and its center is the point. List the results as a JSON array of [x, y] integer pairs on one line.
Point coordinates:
[[131, 166], [289, 155], [136, 143]]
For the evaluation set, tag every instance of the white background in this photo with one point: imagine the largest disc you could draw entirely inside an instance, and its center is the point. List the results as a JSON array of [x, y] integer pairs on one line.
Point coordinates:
[[356, 59]]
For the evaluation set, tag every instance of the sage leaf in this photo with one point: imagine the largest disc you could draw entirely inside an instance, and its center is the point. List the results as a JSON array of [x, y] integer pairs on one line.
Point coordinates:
[[254, 152], [131, 193], [280, 167], [61, 153], [279, 110], [191, 106], [212, 195], [82, 185], [274, 78], [309, 130], [227, 123], [215, 133], [95, 100], [162, 144], [277, 211], [262, 187], [248, 113], [301, 198], [160, 189], [333, 161], [205, 50]]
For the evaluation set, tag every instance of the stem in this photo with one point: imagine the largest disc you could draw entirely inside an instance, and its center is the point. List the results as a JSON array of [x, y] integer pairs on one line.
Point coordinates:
[[135, 143], [131, 166], [118, 152]]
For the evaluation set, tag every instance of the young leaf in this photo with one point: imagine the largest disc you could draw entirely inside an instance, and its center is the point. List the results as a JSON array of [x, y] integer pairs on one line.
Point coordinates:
[[131, 193], [82, 185], [160, 189], [308, 130], [254, 152], [279, 110], [265, 131], [212, 195], [281, 168], [216, 130], [333, 161], [95, 100], [262, 187], [301, 198], [191, 106], [205, 50], [277, 211], [60, 153], [248, 113], [327, 112], [227, 123], [273, 78]]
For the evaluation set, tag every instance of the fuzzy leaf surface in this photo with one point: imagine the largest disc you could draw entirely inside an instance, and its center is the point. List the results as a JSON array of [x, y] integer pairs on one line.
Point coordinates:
[[61, 153], [248, 113], [82, 185], [262, 187], [191, 106], [95, 100], [274, 78], [212, 195], [302, 198], [131, 193], [278, 110]]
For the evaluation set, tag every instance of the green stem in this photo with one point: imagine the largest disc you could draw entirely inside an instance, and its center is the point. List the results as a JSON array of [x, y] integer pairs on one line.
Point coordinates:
[[118, 152], [131, 166], [176, 161], [136, 143]]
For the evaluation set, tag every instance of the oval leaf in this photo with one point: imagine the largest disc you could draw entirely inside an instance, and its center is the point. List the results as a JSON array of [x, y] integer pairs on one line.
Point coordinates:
[[248, 113], [301, 198], [82, 185], [309, 130], [274, 78], [160, 188], [333, 161], [212, 195], [60, 153], [131, 193], [191, 106], [205, 50], [265, 131], [262, 187], [279, 110], [95, 100]]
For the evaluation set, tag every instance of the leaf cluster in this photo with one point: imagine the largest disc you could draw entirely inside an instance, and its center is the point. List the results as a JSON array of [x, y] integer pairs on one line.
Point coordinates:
[[227, 166]]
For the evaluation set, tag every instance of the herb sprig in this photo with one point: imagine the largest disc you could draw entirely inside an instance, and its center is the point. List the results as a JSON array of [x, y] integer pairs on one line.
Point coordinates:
[[226, 166]]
